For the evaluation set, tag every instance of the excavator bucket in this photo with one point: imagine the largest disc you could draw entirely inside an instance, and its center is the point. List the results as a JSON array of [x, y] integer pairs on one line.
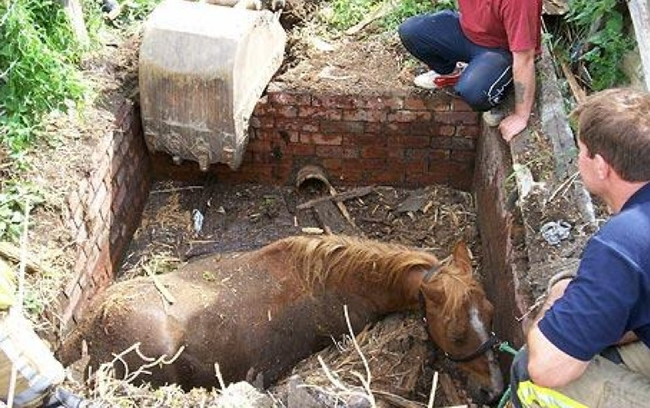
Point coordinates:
[[203, 68]]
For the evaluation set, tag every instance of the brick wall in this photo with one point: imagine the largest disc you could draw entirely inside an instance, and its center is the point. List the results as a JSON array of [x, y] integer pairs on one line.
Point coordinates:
[[401, 138], [106, 208]]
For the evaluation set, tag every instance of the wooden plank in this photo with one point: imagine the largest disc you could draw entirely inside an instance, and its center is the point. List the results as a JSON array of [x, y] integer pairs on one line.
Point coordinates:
[[331, 219], [75, 14], [338, 197], [639, 11]]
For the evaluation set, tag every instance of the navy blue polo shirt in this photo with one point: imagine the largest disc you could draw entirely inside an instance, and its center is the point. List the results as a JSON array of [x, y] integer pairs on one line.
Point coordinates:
[[611, 293]]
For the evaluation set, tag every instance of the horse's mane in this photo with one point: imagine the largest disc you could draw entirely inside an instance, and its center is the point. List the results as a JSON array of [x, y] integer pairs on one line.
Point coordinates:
[[323, 259], [457, 285]]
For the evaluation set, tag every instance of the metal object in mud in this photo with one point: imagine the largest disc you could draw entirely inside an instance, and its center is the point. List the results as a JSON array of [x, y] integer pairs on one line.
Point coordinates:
[[555, 231]]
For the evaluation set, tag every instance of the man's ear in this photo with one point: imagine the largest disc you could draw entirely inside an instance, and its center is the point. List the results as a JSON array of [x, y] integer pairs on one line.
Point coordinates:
[[603, 168]]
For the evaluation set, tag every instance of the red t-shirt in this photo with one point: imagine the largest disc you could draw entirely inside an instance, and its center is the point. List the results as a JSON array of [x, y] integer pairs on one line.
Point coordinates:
[[511, 24]]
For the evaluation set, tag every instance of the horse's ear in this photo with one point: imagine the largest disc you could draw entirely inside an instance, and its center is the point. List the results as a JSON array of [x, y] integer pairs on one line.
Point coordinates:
[[463, 257]]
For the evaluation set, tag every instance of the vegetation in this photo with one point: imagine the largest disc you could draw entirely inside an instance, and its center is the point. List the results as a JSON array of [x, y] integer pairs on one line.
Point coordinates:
[[40, 59], [346, 13], [593, 40]]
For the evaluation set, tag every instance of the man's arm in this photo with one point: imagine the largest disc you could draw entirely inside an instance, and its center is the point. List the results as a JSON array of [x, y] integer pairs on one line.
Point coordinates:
[[523, 73], [548, 366]]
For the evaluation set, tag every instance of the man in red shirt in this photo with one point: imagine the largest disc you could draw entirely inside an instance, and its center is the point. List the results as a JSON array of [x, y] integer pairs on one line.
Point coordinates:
[[497, 39]]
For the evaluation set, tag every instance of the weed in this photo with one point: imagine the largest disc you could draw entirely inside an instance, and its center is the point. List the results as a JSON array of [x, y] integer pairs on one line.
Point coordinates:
[[13, 200], [345, 13], [37, 55], [596, 42]]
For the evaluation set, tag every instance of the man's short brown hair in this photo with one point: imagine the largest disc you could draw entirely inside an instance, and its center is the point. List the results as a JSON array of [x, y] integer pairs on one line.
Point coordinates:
[[616, 125]]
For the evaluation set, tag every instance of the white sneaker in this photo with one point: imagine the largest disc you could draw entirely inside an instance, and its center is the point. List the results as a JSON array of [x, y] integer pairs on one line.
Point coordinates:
[[427, 80], [434, 80], [494, 116]]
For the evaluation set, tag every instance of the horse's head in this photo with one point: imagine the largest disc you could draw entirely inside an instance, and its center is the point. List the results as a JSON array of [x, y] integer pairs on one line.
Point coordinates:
[[459, 320]]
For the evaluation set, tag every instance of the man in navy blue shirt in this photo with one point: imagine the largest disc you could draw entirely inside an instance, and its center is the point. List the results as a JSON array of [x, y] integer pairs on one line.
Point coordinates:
[[590, 345]]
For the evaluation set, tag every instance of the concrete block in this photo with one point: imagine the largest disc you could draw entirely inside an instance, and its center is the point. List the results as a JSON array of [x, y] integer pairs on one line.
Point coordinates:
[[203, 68]]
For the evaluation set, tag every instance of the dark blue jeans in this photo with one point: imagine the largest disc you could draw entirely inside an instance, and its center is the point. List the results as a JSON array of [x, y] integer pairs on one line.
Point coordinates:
[[438, 41]]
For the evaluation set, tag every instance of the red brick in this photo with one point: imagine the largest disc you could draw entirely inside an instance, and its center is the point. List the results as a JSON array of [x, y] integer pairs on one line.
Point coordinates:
[[375, 152], [422, 128], [334, 101], [383, 102], [319, 113], [337, 151], [386, 177], [364, 115], [446, 130], [415, 103], [463, 156], [101, 194], [342, 127], [468, 131], [321, 139], [461, 143], [370, 164], [300, 149], [457, 118], [287, 98], [408, 116], [375, 127], [460, 105], [296, 124], [398, 128], [364, 139], [332, 164], [441, 142], [413, 141], [287, 111]]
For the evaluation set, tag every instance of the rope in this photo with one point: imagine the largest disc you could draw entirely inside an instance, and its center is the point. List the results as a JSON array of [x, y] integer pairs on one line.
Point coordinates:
[[506, 347]]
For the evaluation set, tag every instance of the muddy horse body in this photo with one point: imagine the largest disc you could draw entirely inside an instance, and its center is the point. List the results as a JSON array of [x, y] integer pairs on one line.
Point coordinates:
[[257, 313]]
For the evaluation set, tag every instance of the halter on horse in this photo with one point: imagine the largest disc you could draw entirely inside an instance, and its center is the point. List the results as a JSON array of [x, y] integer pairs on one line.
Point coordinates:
[[263, 311]]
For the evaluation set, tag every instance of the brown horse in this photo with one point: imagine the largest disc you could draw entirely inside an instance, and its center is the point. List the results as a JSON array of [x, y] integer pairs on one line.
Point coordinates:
[[263, 311]]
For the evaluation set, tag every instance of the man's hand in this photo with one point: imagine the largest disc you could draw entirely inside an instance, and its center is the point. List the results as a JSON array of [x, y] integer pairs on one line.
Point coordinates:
[[512, 125], [523, 76]]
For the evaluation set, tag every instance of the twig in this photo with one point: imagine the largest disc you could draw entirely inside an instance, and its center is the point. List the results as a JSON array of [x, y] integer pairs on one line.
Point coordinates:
[[358, 192], [217, 372], [564, 184], [576, 90], [368, 379], [175, 189], [10, 252], [432, 396], [380, 12], [151, 362], [166, 294], [17, 309]]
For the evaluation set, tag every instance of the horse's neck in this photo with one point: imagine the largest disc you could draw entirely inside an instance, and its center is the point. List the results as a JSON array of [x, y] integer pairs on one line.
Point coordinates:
[[387, 299]]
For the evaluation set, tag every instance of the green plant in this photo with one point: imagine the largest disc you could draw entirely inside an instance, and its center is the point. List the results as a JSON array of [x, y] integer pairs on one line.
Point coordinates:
[[344, 14], [408, 8], [14, 197], [134, 12], [600, 41], [38, 53]]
